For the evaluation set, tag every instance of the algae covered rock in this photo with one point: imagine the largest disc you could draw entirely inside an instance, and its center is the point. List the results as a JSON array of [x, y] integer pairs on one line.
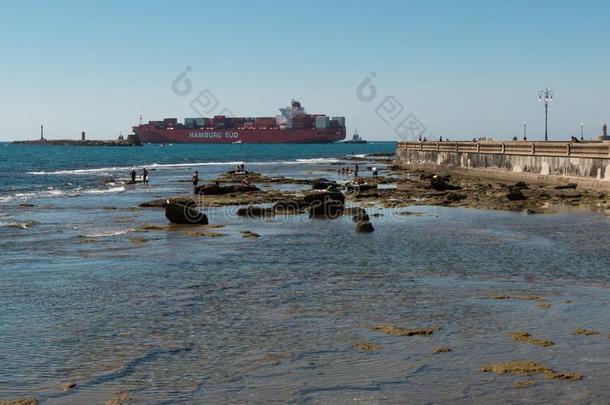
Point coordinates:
[[527, 338], [366, 347], [400, 331]]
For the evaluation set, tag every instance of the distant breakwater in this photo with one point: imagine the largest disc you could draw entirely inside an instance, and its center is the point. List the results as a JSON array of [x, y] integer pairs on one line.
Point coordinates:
[[88, 142]]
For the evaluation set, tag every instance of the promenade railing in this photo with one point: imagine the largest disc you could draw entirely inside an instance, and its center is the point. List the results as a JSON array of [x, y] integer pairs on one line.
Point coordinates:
[[526, 148]]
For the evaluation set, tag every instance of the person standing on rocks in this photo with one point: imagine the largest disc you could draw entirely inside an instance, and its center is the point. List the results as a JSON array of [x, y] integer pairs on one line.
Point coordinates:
[[133, 175], [144, 176], [356, 170], [195, 179]]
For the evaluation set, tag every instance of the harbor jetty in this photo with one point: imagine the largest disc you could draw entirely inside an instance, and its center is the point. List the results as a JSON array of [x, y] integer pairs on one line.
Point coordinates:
[[87, 142], [130, 140], [586, 164]]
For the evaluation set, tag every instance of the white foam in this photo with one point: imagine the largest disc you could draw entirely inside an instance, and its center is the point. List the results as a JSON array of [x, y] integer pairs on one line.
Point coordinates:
[[104, 191], [161, 166], [106, 234], [53, 193], [319, 160], [106, 170], [19, 225]]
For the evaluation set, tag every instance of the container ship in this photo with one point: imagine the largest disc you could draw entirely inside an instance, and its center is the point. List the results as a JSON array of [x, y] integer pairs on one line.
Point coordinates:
[[293, 125]]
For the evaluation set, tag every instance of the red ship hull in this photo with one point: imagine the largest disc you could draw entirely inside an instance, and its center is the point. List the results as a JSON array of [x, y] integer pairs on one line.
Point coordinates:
[[150, 134]]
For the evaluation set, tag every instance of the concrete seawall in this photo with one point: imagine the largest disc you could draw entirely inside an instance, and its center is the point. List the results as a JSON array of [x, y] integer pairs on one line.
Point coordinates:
[[586, 164]]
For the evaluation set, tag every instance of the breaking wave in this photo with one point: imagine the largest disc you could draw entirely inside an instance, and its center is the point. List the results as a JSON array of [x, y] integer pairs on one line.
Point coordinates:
[[111, 169], [106, 234], [54, 193]]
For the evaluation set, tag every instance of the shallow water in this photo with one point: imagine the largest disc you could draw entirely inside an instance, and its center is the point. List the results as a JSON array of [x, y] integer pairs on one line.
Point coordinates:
[[182, 318]]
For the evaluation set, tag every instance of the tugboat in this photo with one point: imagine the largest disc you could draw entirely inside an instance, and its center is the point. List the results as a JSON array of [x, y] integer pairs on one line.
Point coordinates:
[[356, 138]]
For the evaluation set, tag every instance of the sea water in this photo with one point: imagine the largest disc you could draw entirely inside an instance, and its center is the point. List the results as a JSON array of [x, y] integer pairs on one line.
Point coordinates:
[[97, 292]]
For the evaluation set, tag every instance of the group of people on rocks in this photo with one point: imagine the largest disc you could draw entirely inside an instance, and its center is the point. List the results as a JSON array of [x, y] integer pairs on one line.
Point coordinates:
[[240, 169], [134, 175], [347, 171]]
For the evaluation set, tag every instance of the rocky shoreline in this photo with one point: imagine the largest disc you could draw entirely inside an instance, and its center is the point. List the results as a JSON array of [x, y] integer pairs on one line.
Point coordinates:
[[398, 188]]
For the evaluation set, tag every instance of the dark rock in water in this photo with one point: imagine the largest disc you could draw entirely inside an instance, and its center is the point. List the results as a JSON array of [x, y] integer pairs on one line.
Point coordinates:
[[567, 186], [324, 184], [366, 195], [452, 197], [329, 209], [213, 189], [430, 176], [244, 189], [253, 212], [521, 185], [361, 187], [319, 197], [68, 386], [185, 213], [327, 204], [364, 227], [289, 206], [439, 184], [163, 202], [249, 234], [515, 194], [573, 194], [159, 203]]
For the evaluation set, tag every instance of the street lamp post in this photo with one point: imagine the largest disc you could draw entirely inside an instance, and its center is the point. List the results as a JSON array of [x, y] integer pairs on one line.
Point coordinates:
[[546, 95]]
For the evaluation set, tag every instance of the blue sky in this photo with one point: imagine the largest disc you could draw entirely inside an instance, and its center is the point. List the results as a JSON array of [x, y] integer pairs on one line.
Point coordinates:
[[464, 69]]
